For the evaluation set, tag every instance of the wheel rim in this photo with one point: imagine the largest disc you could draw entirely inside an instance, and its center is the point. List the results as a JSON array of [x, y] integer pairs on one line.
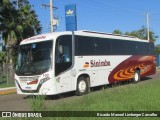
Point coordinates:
[[82, 86], [136, 76]]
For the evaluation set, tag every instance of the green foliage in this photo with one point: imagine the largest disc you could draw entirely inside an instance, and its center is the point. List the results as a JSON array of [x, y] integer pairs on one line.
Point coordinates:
[[37, 103], [141, 33], [157, 49], [143, 96], [3, 57], [121, 98], [29, 22], [117, 31], [17, 24], [7, 19]]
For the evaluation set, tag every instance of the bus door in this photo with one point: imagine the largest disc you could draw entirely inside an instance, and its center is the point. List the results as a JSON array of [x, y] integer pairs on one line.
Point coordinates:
[[63, 63]]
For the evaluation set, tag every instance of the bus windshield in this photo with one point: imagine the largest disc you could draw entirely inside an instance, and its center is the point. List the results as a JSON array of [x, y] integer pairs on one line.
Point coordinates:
[[34, 58]]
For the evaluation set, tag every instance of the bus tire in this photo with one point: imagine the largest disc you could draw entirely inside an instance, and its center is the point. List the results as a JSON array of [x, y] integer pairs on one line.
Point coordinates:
[[82, 86], [136, 77]]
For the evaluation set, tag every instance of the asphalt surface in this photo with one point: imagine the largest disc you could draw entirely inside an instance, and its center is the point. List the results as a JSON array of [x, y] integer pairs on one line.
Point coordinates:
[[14, 102]]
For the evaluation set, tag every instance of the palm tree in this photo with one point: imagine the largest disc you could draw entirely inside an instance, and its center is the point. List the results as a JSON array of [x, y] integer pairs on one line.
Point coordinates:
[[17, 24], [29, 21], [3, 59], [8, 23], [8, 27]]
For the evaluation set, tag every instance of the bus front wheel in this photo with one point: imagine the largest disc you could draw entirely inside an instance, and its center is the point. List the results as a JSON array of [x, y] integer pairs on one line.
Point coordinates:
[[82, 86]]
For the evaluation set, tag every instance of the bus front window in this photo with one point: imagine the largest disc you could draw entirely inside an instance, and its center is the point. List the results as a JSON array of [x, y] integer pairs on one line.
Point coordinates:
[[34, 59]]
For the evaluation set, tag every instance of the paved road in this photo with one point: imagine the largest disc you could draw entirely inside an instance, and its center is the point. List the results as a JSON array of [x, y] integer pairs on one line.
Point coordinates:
[[16, 102]]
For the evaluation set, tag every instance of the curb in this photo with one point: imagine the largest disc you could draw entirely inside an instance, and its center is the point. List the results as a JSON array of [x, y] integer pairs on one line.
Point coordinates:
[[9, 90]]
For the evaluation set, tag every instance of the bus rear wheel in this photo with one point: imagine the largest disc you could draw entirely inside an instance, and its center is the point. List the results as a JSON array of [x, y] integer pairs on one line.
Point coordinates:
[[82, 86], [136, 77]]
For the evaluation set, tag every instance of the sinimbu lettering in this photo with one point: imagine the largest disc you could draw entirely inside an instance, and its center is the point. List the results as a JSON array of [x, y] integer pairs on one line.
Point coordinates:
[[99, 63]]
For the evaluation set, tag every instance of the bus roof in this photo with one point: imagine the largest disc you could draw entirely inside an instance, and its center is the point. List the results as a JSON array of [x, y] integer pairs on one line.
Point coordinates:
[[109, 35], [44, 37], [49, 36]]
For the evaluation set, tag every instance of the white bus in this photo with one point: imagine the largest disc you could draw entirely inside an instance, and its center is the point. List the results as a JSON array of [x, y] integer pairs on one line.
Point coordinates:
[[60, 62]]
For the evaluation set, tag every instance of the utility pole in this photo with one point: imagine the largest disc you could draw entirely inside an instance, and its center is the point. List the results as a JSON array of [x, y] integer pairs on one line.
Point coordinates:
[[51, 14], [147, 20]]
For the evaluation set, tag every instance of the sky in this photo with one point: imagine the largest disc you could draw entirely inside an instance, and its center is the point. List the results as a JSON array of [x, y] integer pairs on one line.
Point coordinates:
[[103, 15]]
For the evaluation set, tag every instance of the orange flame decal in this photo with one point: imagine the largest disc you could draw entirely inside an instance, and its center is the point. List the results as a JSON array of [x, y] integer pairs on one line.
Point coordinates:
[[127, 73]]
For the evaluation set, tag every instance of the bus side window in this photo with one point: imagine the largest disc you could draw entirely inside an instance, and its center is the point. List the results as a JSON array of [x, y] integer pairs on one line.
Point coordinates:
[[63, 54], [59, 54]]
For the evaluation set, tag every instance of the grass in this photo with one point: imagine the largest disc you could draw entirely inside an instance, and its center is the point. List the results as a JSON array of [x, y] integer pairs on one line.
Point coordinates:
[[133, 97], [143, 96], [37, 103]]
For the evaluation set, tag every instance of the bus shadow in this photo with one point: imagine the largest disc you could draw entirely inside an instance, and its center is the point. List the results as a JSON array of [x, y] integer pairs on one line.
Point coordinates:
[[60, 96], [51, 97], [122, 83], [145, 79]]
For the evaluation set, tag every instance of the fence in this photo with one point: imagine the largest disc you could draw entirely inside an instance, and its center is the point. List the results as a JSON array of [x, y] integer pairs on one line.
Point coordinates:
[[6, 75]]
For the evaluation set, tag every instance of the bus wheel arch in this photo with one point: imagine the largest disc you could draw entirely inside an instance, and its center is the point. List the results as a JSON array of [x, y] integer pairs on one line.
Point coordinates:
[[83, 84], [136, 75]]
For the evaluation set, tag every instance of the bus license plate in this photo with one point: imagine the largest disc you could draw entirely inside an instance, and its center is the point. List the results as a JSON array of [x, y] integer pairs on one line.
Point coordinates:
[[28, 88]]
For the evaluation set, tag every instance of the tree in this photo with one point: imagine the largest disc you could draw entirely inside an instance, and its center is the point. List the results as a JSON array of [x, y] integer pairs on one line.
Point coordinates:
[[29, 21], [157, 49], [17, 24], [142, 34], [8, 23], [3, 59], [117, 31]]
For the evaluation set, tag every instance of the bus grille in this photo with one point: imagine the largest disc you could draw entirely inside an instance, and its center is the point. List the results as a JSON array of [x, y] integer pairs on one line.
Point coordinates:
[[28, 79]]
